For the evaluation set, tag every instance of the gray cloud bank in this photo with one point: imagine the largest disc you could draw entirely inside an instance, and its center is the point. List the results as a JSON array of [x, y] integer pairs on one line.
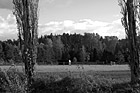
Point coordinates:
[[6, 4], [8, 27]]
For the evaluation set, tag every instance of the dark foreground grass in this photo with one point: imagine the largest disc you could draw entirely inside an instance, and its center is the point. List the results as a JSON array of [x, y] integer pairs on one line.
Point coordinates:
[[82, 82], [68, 82]]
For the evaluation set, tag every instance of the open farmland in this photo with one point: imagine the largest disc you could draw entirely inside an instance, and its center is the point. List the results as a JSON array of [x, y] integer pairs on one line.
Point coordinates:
[[74, 68], [118, 72]]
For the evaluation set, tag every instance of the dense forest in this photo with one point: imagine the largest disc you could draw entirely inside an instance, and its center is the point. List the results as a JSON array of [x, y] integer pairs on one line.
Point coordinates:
[[78, 48]]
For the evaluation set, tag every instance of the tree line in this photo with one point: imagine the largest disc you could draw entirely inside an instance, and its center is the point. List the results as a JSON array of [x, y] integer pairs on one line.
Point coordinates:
[[89, 47]]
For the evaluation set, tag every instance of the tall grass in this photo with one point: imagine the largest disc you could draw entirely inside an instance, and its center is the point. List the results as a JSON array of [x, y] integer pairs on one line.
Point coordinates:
[[13, 81]]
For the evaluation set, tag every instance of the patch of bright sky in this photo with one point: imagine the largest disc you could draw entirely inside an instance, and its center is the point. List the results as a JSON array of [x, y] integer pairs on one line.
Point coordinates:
[[96, 10], [60, 10], [4, 13]]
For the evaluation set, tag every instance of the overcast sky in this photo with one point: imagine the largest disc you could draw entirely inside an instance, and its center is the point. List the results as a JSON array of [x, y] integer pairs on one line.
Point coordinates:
[[70, 16]]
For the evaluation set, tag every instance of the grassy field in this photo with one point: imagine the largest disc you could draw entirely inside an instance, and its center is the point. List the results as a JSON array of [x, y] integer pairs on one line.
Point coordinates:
[[80, 79], [73, 68], [119, 73]]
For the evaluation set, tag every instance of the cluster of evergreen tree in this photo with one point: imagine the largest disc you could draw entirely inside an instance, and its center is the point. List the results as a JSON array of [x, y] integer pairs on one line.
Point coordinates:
[[89, 47]]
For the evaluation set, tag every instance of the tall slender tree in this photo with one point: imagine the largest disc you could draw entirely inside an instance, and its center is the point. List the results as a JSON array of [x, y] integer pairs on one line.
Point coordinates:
[[26, 13], [129, 21]]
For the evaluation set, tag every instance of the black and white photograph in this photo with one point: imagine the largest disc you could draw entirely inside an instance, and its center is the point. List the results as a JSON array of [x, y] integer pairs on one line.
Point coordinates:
[[69, 46]]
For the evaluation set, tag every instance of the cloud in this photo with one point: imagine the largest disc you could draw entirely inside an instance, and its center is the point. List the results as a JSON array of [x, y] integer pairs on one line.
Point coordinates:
[[85, 25], [8, 27], [11, 20], [116, 16], [6, 4]]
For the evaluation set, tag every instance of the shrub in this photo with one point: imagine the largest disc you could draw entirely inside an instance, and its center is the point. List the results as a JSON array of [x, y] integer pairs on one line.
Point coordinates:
[[12, 81], [70, 85]]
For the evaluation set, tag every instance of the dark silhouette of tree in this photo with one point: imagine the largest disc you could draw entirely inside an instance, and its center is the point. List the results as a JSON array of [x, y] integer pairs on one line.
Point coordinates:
[[8, 51], [58, 47], [17, 56], [82, 54], [26, 12], [1, 52], [129, 19]]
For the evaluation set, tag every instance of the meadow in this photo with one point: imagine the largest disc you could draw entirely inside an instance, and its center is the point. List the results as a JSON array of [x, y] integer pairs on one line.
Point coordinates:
[[71, 79], [74, 68]]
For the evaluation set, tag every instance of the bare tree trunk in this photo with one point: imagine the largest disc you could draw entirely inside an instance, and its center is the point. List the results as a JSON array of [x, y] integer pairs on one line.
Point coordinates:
[[129, 23], [134, 56], [27, 23]]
